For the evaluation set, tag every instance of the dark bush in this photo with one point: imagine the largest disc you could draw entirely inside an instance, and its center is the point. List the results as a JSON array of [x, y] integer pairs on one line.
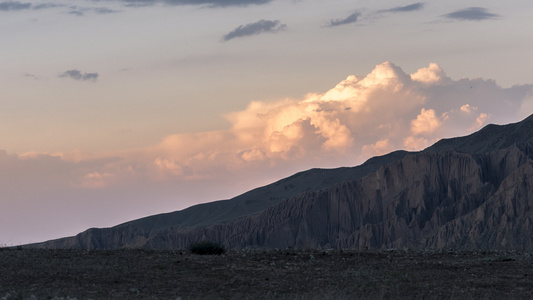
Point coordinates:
[[206, 248]]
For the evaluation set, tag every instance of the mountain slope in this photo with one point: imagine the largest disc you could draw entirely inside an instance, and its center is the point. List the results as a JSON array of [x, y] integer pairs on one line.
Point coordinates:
[[470, 192], [258, 199], [135, 233], [425, 200], [489, 138]]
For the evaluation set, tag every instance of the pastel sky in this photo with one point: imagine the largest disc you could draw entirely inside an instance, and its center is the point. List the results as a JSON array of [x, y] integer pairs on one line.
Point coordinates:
[[113, 110]]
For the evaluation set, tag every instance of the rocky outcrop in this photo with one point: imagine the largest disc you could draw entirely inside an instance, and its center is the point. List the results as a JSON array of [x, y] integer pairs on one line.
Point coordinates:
[[472, 192]]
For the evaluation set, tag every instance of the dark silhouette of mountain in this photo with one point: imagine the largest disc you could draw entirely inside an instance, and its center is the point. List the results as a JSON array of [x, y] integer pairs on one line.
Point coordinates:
[[472, 192], [489, 138]]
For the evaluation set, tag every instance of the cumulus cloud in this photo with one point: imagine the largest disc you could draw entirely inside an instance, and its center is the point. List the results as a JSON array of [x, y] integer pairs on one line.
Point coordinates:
[[407, 8], [426, 122], [362, 116], [14, 5], [471, 14], [348, 20], [77, 75], [258, 27], [429, 75]]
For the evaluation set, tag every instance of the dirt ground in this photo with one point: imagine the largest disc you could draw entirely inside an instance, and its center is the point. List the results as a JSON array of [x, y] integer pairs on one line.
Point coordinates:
[[264, 274]]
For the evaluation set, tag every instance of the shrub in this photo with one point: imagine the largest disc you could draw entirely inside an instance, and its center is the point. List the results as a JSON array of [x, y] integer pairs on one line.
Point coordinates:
[[206, 248]]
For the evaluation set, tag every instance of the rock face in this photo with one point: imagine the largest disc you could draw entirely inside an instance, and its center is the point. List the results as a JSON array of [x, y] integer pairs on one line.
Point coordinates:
[[473, 192]]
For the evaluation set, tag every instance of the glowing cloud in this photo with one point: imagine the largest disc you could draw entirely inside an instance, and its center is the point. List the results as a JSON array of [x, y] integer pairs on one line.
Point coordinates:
[[360, 117], [426, 122], [431, 74]]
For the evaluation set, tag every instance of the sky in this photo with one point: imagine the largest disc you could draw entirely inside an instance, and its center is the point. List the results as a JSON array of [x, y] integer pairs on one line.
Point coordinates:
[[112, 110]]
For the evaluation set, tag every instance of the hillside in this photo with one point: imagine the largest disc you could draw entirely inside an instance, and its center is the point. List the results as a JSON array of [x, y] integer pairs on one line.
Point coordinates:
[[472, 192]]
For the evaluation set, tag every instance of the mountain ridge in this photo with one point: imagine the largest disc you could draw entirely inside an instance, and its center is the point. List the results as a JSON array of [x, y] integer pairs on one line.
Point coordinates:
[[401, 199], [489, 138]]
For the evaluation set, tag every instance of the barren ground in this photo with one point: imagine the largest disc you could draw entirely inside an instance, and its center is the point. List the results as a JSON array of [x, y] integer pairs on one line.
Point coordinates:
[[264, 274]]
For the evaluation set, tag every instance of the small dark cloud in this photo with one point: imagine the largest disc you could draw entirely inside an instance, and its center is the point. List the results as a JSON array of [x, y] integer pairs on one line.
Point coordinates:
[[350, 19], [255, 28], [104, 10], [46, 5], [471, 14], [407, 8], [221, 3], [29, 75], [80, 11], [14, 5], [77, 75], [140, 3], [212, 3]]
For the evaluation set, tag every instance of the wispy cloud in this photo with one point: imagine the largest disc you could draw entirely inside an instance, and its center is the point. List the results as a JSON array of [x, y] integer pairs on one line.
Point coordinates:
[[471, 14], [75, 12], [73, 9], [212, 3], [29, 75], [104, 10], [46, 5], [258, 27], [348, 20], [80, 11], [407, 8], [14, 5], [77, 75]]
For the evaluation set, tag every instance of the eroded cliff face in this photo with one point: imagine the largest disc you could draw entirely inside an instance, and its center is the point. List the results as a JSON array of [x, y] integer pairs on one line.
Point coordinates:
[[504, 220], [477, 196], [426, 200]]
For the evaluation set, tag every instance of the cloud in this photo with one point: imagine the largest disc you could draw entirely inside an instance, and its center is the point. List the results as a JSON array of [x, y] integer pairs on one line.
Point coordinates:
[[258, 27], [46, 6], [104, 10], [211, 3], [80, 11], [32, 76], [348, 20], [407, 8], [77, 75], [432, 74], [471, 14], [362, 116], [426, 122], [218, 2], [14, 5]]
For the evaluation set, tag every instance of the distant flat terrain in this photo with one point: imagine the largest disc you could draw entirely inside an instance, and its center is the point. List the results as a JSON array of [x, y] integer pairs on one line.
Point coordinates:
[[264, 274]]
